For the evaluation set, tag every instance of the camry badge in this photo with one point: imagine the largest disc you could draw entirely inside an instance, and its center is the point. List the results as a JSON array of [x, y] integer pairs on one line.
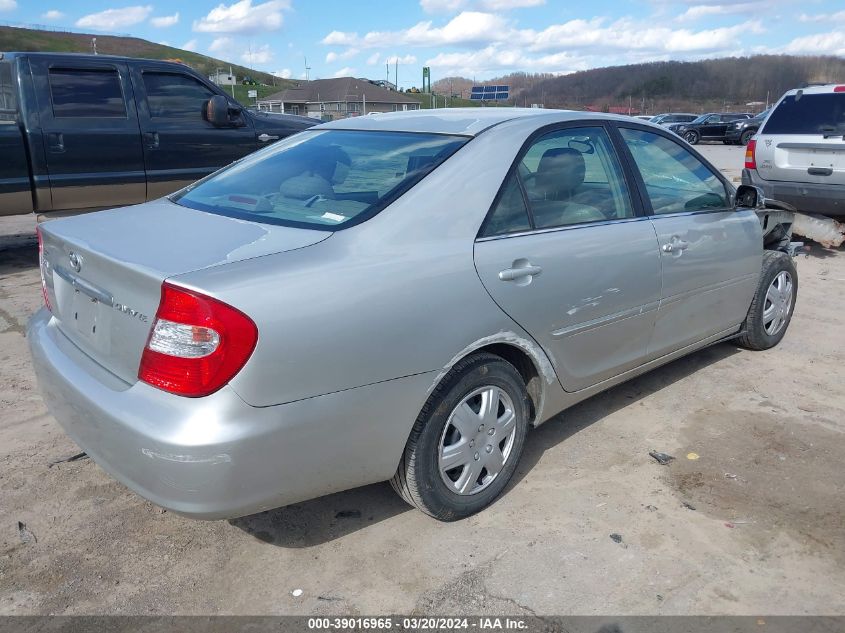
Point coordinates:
[[75, 261]]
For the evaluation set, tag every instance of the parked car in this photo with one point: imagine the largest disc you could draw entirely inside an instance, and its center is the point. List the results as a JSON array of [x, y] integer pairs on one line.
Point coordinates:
[[643, 117], [708, 127], [323, 315], [83, 132], [673, 117], [741, 131], [799, 153]]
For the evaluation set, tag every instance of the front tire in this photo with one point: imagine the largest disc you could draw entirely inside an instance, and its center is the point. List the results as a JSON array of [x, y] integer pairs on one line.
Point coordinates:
[[467, 440], [773, 303], [746, 136], [692, 137]]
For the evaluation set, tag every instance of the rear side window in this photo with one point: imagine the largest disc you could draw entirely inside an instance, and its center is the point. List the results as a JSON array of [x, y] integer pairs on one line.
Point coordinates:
[[86, 93], [321, 178], [175, 96], [808, 114], [8, 103]]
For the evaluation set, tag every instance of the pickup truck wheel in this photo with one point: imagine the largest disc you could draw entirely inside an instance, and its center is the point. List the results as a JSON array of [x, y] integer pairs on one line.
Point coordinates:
[[467, 440], [691, 137], [773, 303], [746, 136]]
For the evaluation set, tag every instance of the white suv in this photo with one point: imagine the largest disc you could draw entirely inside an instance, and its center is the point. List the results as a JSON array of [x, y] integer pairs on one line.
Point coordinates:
[[798, 156]]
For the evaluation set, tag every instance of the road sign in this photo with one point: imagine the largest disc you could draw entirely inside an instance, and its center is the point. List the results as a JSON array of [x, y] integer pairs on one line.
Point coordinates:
[[252, 94], [489, 93]]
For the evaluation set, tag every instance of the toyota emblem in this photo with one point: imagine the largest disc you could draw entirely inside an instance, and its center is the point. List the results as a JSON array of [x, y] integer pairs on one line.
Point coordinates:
[[75, 261]]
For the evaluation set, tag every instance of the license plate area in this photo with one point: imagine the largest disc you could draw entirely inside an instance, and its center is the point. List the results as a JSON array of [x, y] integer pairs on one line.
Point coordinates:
[[85, 310]]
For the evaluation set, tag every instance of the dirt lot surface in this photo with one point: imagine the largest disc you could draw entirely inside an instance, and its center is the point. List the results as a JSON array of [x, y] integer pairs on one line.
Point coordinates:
[[754, 525]]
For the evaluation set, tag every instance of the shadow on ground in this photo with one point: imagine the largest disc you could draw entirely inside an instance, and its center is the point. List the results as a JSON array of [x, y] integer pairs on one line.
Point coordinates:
[[327, 518]]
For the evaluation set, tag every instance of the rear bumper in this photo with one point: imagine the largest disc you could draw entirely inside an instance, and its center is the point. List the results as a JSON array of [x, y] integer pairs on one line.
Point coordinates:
[[218, 457], [806, 197]]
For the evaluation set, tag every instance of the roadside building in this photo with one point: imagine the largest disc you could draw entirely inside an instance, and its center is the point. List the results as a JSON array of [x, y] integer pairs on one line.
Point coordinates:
[[330, 99], [223, 79]]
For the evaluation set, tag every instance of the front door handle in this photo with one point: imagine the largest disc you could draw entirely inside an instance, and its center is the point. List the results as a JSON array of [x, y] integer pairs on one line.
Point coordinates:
[[267, 137], [56, 142], [677, 245], [522, 270], [151, 140]]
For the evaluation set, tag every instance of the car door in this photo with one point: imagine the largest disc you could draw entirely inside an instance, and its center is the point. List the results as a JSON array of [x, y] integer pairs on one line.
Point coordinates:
[[711, 126], [90, 132], [565, 254], [710, 252], [179, 145]]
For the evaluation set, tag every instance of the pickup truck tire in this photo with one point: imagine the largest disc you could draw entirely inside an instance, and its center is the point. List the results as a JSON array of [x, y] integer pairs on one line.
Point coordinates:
[[692, 137], [773, 303], [423, 478]]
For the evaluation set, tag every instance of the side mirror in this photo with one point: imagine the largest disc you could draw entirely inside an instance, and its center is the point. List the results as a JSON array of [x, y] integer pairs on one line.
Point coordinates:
[[751, 197], [218, 111]]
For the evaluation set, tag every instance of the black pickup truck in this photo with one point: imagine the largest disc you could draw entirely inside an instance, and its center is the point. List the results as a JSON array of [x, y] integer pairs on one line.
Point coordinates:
[[87, 132]]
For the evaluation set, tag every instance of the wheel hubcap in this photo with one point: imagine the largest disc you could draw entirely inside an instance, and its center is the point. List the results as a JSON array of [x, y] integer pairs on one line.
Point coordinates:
[[778, 303], [477, 440]]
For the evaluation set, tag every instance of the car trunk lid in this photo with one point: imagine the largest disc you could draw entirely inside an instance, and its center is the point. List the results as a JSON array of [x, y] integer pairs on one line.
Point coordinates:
[[104, 271]]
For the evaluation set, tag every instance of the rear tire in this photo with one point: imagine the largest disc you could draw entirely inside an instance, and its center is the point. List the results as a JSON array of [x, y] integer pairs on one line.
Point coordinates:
[[773, 303], [483, 451], [692, 137], [746, 136]]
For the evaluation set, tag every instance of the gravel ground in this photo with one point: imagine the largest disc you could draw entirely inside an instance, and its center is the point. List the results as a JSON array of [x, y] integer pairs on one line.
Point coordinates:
[[753, 525]]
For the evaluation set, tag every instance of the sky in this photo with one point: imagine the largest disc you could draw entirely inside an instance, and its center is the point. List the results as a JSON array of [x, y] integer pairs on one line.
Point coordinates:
[[478, 39]]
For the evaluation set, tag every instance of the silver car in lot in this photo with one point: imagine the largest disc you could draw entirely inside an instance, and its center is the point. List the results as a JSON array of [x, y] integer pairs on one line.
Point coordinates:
[[398, 298]]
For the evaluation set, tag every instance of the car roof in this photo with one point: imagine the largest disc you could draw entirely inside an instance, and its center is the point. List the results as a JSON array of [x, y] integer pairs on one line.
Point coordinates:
[[818, 89], [462, 121], [8, 55]]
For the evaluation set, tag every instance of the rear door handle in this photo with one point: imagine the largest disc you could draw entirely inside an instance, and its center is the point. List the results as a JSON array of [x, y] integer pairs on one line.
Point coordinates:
[[677, 245], [267, 137], [151, 140], [56, 142], [820, 171], [519, 272]]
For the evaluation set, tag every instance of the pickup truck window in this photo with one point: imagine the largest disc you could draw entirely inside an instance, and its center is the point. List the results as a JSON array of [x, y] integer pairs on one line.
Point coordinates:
[[175, 96], [87, 93], [7, 89]]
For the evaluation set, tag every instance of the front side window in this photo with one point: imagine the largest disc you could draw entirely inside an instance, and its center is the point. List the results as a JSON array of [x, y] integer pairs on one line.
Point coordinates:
[[175, 96], [85, 93], [675, 180], [321, 178]]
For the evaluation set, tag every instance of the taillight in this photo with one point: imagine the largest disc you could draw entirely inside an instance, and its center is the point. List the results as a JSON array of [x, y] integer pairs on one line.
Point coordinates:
[[839, 89], [197, 343], [750, 158], [42, 264]]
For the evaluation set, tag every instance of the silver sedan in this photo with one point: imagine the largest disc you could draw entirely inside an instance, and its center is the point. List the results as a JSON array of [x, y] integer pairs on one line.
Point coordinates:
[[398, 298]]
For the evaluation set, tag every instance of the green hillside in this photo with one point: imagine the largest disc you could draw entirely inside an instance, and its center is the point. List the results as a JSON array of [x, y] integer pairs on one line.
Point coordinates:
[[31, 40]]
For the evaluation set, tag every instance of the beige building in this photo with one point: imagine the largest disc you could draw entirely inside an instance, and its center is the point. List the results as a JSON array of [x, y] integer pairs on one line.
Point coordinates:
[[329, 99]]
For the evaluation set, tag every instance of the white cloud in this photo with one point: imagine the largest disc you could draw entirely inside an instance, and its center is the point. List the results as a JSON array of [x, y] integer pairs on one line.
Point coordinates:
[[346, 71], [284, 73], [699, 11], [405, 60], [244, 17], [824, 17], [495, 59], [52, 14], [221, 45], [190, 45], [260, 55], [8, 5], [165, 20], [452, 6], [373, 59], [832, 43], [349, 53], [112, 19]]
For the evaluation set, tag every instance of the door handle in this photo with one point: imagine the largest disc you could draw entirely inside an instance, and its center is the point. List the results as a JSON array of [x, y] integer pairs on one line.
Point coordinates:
[[151, 140], [519, 272], [267, 137], [677, 245], [820, 171], [56, 142]]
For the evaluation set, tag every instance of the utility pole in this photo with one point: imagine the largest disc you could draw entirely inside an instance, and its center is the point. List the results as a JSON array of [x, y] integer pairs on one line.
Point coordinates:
[[307, 68], [232, 77], [396, 73], [93, 43]]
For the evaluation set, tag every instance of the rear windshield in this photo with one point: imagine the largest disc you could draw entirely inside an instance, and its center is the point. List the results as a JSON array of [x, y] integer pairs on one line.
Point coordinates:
[[809, 114], [323, 179]]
